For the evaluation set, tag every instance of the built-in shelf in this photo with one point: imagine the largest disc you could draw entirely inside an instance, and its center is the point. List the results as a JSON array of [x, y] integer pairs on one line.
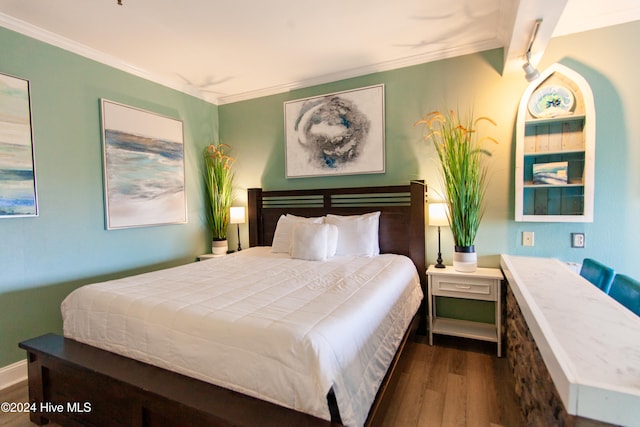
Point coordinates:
[[552, 153], [570, 184], [545, 120], [559, 151]]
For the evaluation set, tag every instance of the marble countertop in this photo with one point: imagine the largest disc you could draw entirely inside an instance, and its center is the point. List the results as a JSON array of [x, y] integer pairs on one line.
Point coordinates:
[[589, 342]]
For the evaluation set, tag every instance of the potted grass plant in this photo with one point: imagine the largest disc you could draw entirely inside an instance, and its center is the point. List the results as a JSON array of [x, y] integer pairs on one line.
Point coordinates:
[[464, 177], [218, 177]]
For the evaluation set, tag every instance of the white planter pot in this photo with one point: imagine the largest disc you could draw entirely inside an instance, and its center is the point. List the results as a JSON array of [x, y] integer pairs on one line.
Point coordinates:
[[466, 262], [219, 247]]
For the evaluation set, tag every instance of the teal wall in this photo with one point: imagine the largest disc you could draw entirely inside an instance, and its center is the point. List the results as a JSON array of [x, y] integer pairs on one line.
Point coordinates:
[[43, 258], [606, 58]]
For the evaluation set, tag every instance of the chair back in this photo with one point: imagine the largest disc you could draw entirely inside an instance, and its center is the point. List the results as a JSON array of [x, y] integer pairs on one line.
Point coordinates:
[[626, 291], [597, 273]]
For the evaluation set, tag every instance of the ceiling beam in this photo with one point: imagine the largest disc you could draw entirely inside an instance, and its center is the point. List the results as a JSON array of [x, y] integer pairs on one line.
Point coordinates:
[[524, 16]]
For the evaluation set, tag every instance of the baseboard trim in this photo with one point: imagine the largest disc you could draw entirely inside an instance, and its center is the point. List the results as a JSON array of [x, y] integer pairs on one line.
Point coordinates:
[[13, 374]]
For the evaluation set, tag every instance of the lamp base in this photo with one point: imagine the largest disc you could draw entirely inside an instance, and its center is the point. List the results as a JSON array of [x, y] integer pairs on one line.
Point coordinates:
[[439, 260]]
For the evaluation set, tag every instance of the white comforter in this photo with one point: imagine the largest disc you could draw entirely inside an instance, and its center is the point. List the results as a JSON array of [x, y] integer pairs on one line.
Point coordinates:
[[280, 329]]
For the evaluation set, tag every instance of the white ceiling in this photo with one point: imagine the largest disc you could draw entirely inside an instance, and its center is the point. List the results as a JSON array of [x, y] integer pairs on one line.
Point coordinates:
[[225, 51]]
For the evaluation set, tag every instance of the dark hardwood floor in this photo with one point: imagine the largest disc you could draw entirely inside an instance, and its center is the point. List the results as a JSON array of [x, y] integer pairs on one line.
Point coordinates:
[[456, 382], [15, 394]]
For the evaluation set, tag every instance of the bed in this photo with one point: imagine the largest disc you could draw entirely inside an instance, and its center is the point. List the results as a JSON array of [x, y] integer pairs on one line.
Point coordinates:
[[174, 375]]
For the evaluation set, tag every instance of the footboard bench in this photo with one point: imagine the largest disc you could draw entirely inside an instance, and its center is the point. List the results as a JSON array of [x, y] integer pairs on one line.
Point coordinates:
[[125, 392]]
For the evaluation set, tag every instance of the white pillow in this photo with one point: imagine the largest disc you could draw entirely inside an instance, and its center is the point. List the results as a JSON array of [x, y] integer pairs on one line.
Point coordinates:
[[315, 220], [310, 241], [357, 234], [282, 235], [332, 240]]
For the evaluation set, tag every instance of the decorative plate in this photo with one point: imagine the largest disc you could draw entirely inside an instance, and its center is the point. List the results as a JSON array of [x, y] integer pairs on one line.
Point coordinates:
[[551, 101]]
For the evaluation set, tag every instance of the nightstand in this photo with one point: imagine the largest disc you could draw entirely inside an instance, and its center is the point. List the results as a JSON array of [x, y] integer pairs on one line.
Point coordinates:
[[207, 256], [484, 285]]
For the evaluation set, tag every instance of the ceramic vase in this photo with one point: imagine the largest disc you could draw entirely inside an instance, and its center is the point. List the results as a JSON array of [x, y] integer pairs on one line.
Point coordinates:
[[219, 247], [465, 259]]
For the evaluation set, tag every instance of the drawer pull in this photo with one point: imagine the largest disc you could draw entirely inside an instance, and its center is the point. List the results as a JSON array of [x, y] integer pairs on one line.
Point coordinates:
[[463, 287]]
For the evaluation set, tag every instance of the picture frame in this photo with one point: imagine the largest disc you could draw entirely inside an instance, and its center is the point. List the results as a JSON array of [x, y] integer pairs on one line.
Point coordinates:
[[143, 165], [553, 173], [341, 133], [18, 190]]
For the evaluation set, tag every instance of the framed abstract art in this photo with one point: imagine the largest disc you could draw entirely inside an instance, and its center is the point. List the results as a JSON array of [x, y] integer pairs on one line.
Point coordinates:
[[340, 133], [144, 177], [18, 196]]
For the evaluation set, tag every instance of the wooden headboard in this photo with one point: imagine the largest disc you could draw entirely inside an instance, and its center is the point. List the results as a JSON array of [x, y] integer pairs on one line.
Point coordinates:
[[402, 214]]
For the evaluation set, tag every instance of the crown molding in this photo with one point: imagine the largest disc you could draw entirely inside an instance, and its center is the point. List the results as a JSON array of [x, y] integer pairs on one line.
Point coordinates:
[[57, 40], [67, 44], [362, 71]]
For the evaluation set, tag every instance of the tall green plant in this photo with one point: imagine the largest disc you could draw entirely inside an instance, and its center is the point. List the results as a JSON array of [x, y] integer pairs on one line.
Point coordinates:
[[464, 175], [219, 182]]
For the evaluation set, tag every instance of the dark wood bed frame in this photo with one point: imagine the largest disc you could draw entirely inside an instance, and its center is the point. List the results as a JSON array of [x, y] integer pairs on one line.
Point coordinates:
[[71, 383]]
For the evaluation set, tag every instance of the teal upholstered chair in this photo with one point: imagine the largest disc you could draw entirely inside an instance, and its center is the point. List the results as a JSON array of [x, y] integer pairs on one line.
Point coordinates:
[[626, 291], [597, 273]]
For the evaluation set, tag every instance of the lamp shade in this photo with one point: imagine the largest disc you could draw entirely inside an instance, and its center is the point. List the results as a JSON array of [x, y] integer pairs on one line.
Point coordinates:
[[236, 214], [438, 214]]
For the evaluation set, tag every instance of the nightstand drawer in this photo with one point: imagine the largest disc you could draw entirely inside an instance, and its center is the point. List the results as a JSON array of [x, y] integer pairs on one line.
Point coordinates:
[[481, 289]]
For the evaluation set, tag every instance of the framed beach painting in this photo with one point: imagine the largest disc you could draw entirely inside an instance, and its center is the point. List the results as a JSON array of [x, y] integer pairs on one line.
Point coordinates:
[[18, 196], [554, 173], [340, 133], [144, 179]]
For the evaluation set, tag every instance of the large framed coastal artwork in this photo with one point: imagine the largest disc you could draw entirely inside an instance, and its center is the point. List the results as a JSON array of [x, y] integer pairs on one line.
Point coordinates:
[[144, 179], [340, 133], [18, 196]]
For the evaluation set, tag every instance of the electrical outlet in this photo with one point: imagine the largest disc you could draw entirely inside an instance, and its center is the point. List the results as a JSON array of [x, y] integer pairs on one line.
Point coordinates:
[[527, 238], [577, 240]]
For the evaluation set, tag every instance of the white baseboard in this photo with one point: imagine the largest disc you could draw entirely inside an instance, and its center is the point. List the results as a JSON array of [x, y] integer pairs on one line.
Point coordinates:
[[13, 374]]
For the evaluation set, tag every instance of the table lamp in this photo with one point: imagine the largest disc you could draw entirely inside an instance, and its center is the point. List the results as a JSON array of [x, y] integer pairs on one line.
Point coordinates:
[[438, 217], [236, 214]]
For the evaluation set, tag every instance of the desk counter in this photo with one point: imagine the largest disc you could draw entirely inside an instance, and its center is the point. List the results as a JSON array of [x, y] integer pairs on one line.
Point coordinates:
[[589, 342]]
